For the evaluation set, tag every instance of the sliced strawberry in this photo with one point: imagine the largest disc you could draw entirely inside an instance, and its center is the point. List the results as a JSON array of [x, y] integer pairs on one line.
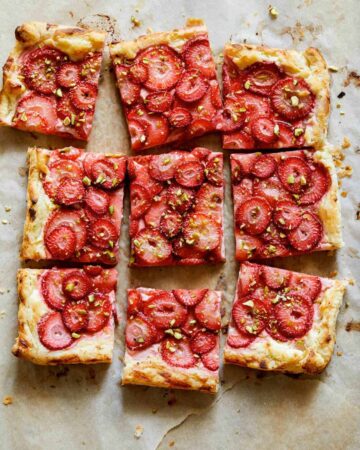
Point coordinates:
[[163, 167], [185, 251], [201, 153], [51, 289], [151, 248], [189, 297], [138, 72], [129, 91], [156, 126], [179, 117], [164, 311], [270, 250], [61, 170], [294, 316], [272, 326], [61, 242], [306, 285], [155, 213], [287, 215], [170, 224], [233, 116], [70, 192], [180, 198], [249, 276], [97, 200], [75, 316], [103, 234], [84, 96], [164, 67], [177, 353], [68, 75], [67, 112], [140, 200], [238, 140], [271, 189], [273, 235], [202, 232], [100, 310], [294, 174], [246, 246], [40, 68], [108, 173], [263, 129], [264, 166], [250, 315], [134, 302], [211, 360], [262, 76], [191, 86], [191, 325], [214, 170], [243, 191], [52, 332], [215, 95], [92, 271], [308, 234], [67, 153], [72, 219], [199, 127], [90, 68], [198, 56], [190, 174], [233, 80], [138, 134], [36, 113], [209, 199], [159, 101], [275, 278], [203, 342], [140, 333], [254, 215], [238, 340], [285, 137], [255, 106], [207, 312], [104, 281], [319, 185], [76, 285]]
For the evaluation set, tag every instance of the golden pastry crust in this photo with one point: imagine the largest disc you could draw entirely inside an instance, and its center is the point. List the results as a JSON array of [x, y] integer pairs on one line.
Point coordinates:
[[310, 354], [308, 64], [97, 348], [75, 42], [120, 51]]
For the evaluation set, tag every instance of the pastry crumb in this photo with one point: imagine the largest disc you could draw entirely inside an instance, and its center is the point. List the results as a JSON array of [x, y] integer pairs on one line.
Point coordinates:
[[346, 142], [333, 274], [7, 400], [171, 443], [339, 353], [149, 30], [344, 194], [138, 431], [2, 314], [333, 69], [4, 221], [135, 22], [351, 281], [274, 13], [154, 410], [7, 208]]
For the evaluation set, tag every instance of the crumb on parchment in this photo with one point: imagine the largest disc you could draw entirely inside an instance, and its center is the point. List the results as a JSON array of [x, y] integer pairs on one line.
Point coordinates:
[[7, 400], [138, 431], [273, 12], [346, 143]]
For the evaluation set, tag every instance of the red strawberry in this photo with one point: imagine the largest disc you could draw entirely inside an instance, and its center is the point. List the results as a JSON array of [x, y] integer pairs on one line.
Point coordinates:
[[75, 316], [90, 68], [201, 231], [68, 75], [164, 311], [214, 170], [97, 200], [215, 95], [207, 312], [76, 285], [140, 200], [189, 297], [104, 281], [255, 106], [233, 81], [272, 235], [211, 360], [190, 174], [246, 246], [61, 170], [139, 333], [52, 332], [306, 285], [67, 112], [51, 289], [100, 310], [83, 96], [70, 219], [159, 101], [254, 215], [108, 173], [264, 166], [177, 353], [272, 326], [67, 153], [275, 278], [261, 77], [179, 117], [285, 136], [209, 199], [199, 127], [191, 86], [203, 342], [263, 129], [197, 55], [191, 325], [248, 278], [151, 248], [61, 242], [295, 316], [70, 192], [134, 304], [319, 185], [93, 271], [186, 252], [308, 234], [155, 213], [103, 234], [163, 167], [138, 134], [170, 224], [238, 140], [36, 113], [156, 126], [238, 340], [250, 315], [287, 215], [180, 198], [294, 174], [232, 117], [272, 190], [138, 72], [129, 91]]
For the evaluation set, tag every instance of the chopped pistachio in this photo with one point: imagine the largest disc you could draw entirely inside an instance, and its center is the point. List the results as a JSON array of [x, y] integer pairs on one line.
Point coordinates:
[[172, 322], [303, 181], [177, 335], [75, 335], [277, 130], [247, 84], [249, 303], [111, 243], [294, 100], [111, 209], [298, 132], [70, 287], [67, 121], [273, 12], [291, 179], [333, 69], [86, 181], [59, 92]]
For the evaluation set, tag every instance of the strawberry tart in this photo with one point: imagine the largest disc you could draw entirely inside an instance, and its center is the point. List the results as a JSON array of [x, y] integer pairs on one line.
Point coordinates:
[[283, 321], [176, 208], [74, 205], [51, 80], [66, 316], [172, 339], [285, 203]]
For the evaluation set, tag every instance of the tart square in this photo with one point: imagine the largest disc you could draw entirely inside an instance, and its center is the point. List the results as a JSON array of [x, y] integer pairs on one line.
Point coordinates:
[[168, 86], [66, 316], [51, 80], [172, 339], [285, 203], [176, 208], [283, 321], [74, 205], [274, 98]]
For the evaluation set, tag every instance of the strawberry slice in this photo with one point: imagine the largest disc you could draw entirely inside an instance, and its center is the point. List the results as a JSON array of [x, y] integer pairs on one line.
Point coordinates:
[[211, 360], [264, 166], [261, 77], [306, 285], [68, 75], [52, 332], [190, 174], [105, 280], [164, 67], [308, 234], [202, 232], [319, 185], [70, 192], [180, 198], [155, 213], [243, 191], [287, 215], [151, 248], [139, 333], [83, 96], [295, 316], [255, 106], [90, 68], [67, 112], [75, 316], [270, 250], [93, 271], [214, 170], [140, 200], [76, 285], [134, 303], [159, 101], [179, 117], [238, 340], [199, 127], [233, 116], [238, 140], [250, 315], [191, 86], [233, 81], [215, 95], [108, 173], [156, 126], [51, 289], [71, 219], [294, 174], [207, 312], [61, 242], [177, 353], [163, 167], [186, 252], [61, 170], [246, 246], [129, 91], [170, 224], [248, 278], [100, 310], [138, 72], [209, 199], [36, 113], [197, 55], [189, 297], [191, 325], [103, 234], [263, 129], [138, 134], [271, 189], [275, 278], [164, 311], [201, 153], [97, 200], [40, 68], [254, 215], [203, 342], [272, 326], [273, 235], [286, 137], [67, 153]]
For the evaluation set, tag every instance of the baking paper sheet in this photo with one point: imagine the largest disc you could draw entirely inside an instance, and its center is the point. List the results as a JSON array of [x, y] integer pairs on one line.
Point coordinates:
[[85, 407]]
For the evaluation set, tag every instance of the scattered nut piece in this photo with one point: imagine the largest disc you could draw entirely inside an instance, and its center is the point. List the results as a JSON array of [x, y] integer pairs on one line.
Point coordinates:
[[344, 194], [7, 208], [135, 22], [333, 69], [333, 274], [339, 353], [346, 142], [273, 12], [171, 443], [138, 431], [4, 221], [7, 400]]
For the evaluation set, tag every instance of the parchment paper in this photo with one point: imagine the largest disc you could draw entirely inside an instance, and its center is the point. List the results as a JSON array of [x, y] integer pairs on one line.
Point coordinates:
[[85, 407]]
